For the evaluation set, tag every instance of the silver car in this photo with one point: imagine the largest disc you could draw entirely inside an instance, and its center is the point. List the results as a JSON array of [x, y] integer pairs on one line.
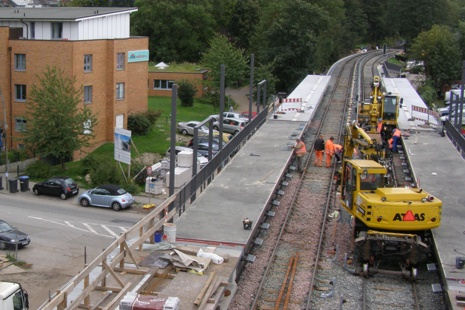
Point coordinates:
[[108, 196], [231, 125], [187, 128]]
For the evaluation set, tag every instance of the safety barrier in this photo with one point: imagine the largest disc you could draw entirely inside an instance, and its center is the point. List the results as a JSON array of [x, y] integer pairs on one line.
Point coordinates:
[[456, 137]]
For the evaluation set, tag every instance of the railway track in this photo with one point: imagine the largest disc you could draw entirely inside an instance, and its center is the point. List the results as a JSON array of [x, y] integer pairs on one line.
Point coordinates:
[[286, 262], [347, 290]]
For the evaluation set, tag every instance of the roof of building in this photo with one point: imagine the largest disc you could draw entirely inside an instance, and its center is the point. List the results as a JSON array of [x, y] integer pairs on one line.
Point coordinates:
[[61, 13]]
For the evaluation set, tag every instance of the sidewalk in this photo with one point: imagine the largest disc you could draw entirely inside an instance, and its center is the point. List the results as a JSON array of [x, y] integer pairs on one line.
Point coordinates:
[[141, 198]]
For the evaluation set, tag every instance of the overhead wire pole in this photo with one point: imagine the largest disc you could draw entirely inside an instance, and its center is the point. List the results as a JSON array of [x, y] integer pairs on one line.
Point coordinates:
[[221, 107], [5, 127], [173, 138], [461, 98], [252, 59]]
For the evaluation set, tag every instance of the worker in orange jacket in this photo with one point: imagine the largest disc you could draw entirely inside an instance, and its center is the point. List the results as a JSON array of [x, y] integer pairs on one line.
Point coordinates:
[[329, 151], [395, 138], [300, 151]]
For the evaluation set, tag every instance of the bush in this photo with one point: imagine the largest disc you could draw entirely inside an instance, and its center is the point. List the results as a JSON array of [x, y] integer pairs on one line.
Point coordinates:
[[39, 170], [152, 116], [186, 93], [139, 124], [106, 172], [17, 155], [90, 162], [131, 187]]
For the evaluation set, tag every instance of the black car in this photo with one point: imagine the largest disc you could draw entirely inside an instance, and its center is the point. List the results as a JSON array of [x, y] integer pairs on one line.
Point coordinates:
[[10, 236], [57, 186]]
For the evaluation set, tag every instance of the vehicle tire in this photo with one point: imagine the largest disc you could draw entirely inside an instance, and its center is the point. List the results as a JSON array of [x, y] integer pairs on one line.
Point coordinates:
[[2, 245], [184, 132], [84, 202], [63, 196], [36, 192], [116, 206]]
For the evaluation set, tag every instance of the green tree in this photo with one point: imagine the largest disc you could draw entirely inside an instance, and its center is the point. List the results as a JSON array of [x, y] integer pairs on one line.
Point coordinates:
[[178, 30], [221, 51], [186, 93], [58, 122], [439, 50], [289, 35]]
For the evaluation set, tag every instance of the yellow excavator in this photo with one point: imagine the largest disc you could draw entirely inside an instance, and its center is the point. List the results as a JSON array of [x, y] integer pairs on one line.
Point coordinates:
[[391, 223], [382, 107]]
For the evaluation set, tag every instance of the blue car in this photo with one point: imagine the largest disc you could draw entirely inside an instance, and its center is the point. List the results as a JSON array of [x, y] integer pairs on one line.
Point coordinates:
[[108, 196]]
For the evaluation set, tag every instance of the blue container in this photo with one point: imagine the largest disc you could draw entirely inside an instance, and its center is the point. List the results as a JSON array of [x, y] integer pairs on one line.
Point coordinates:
[[158, 236]]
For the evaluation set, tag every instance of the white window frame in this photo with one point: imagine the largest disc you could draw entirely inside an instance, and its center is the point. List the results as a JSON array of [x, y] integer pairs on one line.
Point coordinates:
[[120, 60], [20, 89], [20, 62], [120, 91], [88, 63], [20, 124], [88, 91], [57, 31], [163, 84]]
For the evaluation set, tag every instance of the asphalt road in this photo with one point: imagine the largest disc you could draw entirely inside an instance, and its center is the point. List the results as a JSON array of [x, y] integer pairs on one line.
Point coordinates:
[[59, 231]]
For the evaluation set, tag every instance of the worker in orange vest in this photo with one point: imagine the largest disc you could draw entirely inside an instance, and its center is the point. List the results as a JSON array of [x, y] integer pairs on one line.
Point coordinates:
[[300, 151], [329, 151], [338, 152], [395, 136], [390, 141], [379, 127]]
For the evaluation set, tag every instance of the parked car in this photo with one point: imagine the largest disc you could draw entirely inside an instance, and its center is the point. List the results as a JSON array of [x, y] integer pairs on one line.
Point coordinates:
[[231, 125], [245, 115], [10, 236], [229, 115], [202, 148], [108, 196], [57, 186], [187, 128]]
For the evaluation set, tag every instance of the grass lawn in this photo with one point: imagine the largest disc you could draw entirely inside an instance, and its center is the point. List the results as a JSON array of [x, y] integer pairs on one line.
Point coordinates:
[[157, 140]]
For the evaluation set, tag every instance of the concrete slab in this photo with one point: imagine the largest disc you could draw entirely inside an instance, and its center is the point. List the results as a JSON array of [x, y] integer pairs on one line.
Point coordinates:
[[242, 189], [301, 104], [440, 170]]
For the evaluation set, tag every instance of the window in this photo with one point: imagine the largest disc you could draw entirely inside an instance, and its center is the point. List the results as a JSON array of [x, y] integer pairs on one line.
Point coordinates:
[[20, 124], [57, 30], [120, 61], [163, 84], [119, 91], [33, 30], [87, 94], [87, 63], [20, 62], [20, 92]]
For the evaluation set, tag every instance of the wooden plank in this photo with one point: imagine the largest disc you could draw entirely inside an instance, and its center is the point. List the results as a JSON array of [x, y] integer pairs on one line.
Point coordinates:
[[115, 300], [199, 297], [209, 292]]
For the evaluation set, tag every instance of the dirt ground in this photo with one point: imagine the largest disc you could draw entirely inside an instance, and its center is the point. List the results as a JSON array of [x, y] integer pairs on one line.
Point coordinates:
[[38, 284]]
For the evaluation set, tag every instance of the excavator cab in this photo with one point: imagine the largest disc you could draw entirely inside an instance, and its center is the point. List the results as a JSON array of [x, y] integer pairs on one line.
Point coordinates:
[[390, 109]]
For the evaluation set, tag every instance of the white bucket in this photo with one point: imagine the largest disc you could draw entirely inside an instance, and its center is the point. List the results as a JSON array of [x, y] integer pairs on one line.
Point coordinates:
[[169, 229]]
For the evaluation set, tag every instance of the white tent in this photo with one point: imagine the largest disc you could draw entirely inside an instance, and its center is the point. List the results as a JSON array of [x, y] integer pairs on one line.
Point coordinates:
[[161, 65]]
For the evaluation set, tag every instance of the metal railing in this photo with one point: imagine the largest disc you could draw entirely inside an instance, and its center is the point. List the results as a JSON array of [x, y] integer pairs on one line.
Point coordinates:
[[455, 136], [200, 180]]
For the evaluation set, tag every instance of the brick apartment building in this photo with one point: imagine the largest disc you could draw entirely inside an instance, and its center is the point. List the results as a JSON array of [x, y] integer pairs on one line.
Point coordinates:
[[91, 44]]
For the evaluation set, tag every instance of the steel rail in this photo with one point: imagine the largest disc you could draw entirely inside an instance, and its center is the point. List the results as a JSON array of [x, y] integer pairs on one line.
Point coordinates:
[[355, 74], [292, 203]]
